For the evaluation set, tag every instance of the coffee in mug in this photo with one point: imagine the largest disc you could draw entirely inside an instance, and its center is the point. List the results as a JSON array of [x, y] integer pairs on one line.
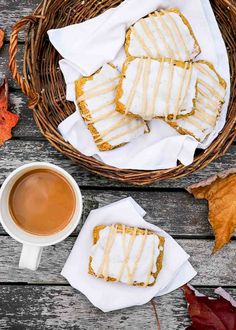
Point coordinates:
[[40, 205], [42, 202]]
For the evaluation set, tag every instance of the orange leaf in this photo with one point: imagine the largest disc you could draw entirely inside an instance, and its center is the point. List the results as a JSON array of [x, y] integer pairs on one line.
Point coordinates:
[[1, 37], [220, 191], [8, 120]]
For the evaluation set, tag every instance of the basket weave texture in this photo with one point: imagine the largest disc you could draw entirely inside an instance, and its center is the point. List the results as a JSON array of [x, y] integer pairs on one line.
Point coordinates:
[[43, 83]]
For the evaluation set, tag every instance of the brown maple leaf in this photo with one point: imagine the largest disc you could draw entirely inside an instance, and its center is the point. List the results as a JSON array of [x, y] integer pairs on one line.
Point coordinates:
[[1, 38], [210, 313], [8, 120], [220, 191]]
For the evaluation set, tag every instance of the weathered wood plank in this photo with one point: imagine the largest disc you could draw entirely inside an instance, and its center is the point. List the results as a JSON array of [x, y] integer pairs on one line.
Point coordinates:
[[218, 269], [65, 308], [11, 11], [16, 153], [26, 126], [4, 58], [42, 308], [163, 210]]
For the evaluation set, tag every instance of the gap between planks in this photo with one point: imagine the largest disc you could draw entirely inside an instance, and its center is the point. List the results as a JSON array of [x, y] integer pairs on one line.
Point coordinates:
[[66, 285], [213, 270], [66, 308]]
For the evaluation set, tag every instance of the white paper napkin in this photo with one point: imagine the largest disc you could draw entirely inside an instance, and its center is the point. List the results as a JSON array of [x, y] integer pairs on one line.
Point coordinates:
[[107, 296], [88, 45]]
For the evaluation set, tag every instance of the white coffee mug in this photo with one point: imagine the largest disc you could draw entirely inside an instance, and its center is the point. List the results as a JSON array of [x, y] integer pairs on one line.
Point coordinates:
[[33, 244]]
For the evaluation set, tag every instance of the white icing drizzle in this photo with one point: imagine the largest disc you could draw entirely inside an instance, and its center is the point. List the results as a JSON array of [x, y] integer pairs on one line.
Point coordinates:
[[203, 116], [99, 95], [100, 92], [127, 253], [118, 124], [103, 106], [207, 96], [99, 118], [136, 81], [162, 36], [169, 88], [168, 32], [141, 41], [146, 74], [190, 72], [206, 73], [176, 27], [104, 265], [194, 122], [104, 83], [207, 105], [156, 88], [180, 91], [129, 130], [150, 88], [131, 275], [211, 89], [151, 265], [150, 35], [164, 33], [124, 245]]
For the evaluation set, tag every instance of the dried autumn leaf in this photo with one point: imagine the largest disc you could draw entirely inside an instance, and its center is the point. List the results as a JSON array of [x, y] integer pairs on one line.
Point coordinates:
[[210, 313], [1, 38], [220, 191], [8, 120]]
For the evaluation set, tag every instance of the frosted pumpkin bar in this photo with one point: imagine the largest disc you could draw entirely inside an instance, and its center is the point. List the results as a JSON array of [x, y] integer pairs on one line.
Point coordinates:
[[164, 33], [211, 90], [96, 100], [156, 88], [126, 254]]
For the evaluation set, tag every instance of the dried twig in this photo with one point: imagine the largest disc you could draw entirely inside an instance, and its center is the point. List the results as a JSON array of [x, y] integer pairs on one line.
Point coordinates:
[[154, 305]]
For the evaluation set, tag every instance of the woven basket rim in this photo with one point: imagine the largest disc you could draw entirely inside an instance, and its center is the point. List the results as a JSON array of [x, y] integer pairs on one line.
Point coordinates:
[[49, 103]]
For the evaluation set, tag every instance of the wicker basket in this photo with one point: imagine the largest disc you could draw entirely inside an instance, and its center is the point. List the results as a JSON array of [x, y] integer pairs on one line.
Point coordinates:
[[43, 83]]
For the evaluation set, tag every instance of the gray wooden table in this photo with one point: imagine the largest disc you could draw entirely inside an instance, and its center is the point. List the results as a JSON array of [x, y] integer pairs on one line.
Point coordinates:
[[43, 299]]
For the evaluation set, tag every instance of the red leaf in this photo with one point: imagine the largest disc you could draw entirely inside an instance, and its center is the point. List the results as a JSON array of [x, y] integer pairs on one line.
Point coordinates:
[[210, 313], [8, 120]]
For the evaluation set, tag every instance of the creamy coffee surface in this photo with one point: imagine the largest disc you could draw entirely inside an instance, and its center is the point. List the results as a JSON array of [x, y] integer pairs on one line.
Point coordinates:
[[42, 202]]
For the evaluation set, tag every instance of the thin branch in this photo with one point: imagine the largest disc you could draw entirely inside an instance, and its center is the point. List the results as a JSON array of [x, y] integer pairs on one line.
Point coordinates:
[[154, 305]]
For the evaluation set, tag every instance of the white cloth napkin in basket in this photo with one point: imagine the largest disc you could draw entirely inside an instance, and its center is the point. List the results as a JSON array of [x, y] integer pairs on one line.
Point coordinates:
[[88, 45], [176, 269]]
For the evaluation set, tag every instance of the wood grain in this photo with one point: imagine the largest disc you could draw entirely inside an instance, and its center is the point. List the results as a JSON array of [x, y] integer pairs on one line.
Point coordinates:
[[4, 70], [11, 11], [162, 210], [26, 126], [62, 307], [216, 270], [65, 308], [19, 152]]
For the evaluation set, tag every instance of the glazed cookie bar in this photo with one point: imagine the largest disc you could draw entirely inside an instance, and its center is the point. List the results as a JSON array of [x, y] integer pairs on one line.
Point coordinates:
[[126, 254], [96, 101], [211, 90], [164, 33], [156, 88]]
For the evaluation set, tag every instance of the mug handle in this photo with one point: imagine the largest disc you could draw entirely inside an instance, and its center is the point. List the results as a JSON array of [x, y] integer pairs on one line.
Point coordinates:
[[30, 256]]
